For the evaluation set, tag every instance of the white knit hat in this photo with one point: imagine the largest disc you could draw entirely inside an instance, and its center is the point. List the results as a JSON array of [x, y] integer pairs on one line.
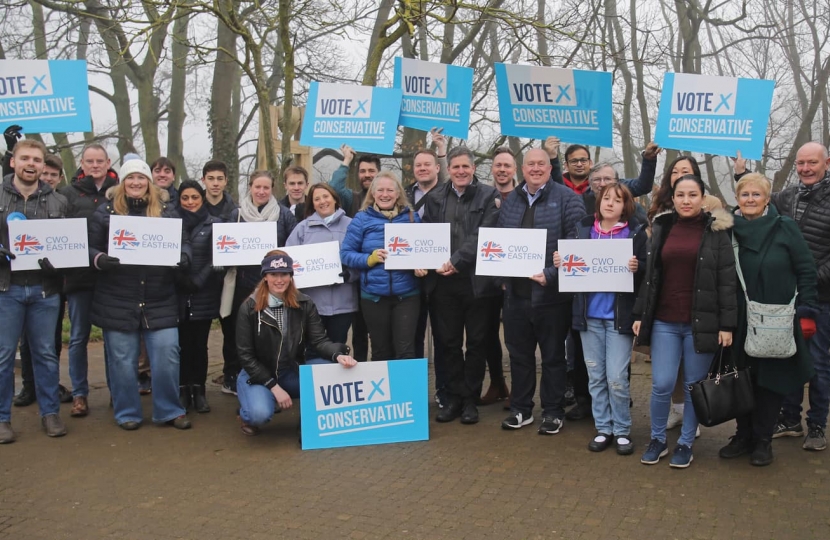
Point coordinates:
[[135, 166]]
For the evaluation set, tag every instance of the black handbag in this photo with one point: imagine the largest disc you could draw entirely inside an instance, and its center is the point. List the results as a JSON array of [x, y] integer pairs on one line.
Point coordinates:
[[725, 393]]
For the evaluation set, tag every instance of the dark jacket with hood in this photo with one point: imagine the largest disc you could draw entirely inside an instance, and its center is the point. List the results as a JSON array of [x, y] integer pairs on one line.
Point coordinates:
[[624, 302], [265, 350], [224, 209], [714, 297], [84, 198], [477, 207], [200, 289], [45, 203], [129, 298], [299, 210]]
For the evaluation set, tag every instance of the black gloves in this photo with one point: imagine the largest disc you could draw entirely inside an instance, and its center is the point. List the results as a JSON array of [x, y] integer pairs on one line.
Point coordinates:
[[6, 256], [345, 274], [12, 135], [46, 265], [105, 262], [184, 262]]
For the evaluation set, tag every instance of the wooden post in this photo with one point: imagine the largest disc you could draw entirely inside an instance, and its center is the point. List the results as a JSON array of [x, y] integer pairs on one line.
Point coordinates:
[[302, 154]]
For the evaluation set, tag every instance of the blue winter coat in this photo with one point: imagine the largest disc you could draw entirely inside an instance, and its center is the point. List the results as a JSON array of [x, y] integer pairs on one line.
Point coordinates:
[[558, 209], [330, 299], [364, 235], [624, 302]]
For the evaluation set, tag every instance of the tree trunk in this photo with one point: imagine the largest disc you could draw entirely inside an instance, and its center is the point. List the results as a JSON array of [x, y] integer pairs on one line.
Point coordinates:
[[178, 88], [224, 125]]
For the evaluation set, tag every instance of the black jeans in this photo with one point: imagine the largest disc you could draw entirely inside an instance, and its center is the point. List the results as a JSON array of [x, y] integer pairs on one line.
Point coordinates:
[[391, 322], [760, 423], [457, 310], [26, 370], [427, 311], [229, 353], [193, 345], [360, 336], [525, 327], [492, 340], [580, 371], [337, 329]]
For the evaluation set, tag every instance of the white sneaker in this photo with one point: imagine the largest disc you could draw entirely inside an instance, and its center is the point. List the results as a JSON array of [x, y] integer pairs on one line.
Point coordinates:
[[675, 419], [697, 433]]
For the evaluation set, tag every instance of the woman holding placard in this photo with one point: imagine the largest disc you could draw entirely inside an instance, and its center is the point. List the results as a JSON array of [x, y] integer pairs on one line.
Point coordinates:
[[604, 320], [133, 302], [275, 323], [390, 299], [200, 290], [687, 308], [775, 262], [326, 221], [259, 205]]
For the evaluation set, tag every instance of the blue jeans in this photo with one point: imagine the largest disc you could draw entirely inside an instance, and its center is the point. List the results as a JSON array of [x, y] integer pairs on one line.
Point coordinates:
[[122, 361], [26, 307], [80, 306], [669, 343], [256, 402], [607, 357], [819, 394]]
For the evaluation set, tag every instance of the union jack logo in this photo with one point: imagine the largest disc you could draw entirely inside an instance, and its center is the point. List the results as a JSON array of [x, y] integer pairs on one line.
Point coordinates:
[[298, 268], [25, 244], [227, 244], [399, 246], [574, 266], [491, 251], [125, 239]]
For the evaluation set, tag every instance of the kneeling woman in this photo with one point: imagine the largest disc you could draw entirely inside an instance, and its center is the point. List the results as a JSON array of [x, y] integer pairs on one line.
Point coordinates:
[[275, 325], [687, 308]]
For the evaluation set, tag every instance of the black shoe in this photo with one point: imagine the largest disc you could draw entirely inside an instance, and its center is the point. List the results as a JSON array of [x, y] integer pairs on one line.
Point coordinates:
[[761, 454], [185, 396], [580, 411], [145, 384], [737, 447], [199, 400], [130, 425], [600, 442], [570, 398], [550, 425], [450, 412], [25, 397], [64, 394], [625, 446], [469, 415], [229, 385]]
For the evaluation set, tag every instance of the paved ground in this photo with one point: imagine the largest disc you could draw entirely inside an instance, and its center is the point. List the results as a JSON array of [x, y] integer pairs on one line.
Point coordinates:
[[477, 482]]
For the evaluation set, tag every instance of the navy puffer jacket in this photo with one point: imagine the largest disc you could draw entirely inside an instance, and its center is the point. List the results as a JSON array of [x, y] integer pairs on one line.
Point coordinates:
[[200, 292]]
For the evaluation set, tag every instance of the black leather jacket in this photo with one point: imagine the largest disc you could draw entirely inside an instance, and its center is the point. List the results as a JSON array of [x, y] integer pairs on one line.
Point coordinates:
[[264, 350]]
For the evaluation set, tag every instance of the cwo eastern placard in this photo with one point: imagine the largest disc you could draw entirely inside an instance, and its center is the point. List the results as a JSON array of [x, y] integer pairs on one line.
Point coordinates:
[[62, 241], [145, 241], [370, 403], [538, 102], [413, 246], [434, 95], [45, 96], [714, 115], [510, 252], [596, 265], [316, 265], [243, 244], [364, 117]]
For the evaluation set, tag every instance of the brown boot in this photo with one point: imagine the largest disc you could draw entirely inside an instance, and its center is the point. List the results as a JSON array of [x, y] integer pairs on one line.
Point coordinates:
[[497, 391], [80, 407]]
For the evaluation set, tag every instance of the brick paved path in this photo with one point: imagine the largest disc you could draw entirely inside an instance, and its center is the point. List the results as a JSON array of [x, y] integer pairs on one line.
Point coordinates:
[[476, 482]]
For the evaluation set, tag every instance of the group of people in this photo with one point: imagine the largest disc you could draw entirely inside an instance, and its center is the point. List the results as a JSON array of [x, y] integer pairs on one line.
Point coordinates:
[[687, 303]]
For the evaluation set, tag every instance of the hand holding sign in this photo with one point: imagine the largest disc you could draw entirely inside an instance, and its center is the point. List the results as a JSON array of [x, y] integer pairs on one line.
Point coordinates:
[[346, 361], [551, 146], [739, 163], [439, 141], [651, 151]]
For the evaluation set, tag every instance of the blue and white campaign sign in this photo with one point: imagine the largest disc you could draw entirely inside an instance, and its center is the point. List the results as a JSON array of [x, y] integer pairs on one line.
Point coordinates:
[[364, 117], [714, 115], [45, 96], [316, 265], [596, 265], [145, 241], [62, 241], [242, 244], [538, 102], [510, 252], [370, 403], [434, 95], [414, 246]]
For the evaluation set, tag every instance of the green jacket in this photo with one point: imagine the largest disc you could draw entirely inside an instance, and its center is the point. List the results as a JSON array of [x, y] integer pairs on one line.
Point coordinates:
[[775, 260]]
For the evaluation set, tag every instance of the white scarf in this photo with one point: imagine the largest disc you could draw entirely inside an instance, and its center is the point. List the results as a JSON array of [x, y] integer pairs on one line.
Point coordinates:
[[249, 212]]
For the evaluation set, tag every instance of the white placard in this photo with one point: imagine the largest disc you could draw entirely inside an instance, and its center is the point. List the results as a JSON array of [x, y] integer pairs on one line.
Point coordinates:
[[316, 265], [596, 265], [63, 241], [243, 244], [414, 246], [145, 241], [510, 252]]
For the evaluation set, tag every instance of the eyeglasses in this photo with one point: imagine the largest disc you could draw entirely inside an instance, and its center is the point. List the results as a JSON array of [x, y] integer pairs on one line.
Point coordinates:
[[578, 161], [603, 180]]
